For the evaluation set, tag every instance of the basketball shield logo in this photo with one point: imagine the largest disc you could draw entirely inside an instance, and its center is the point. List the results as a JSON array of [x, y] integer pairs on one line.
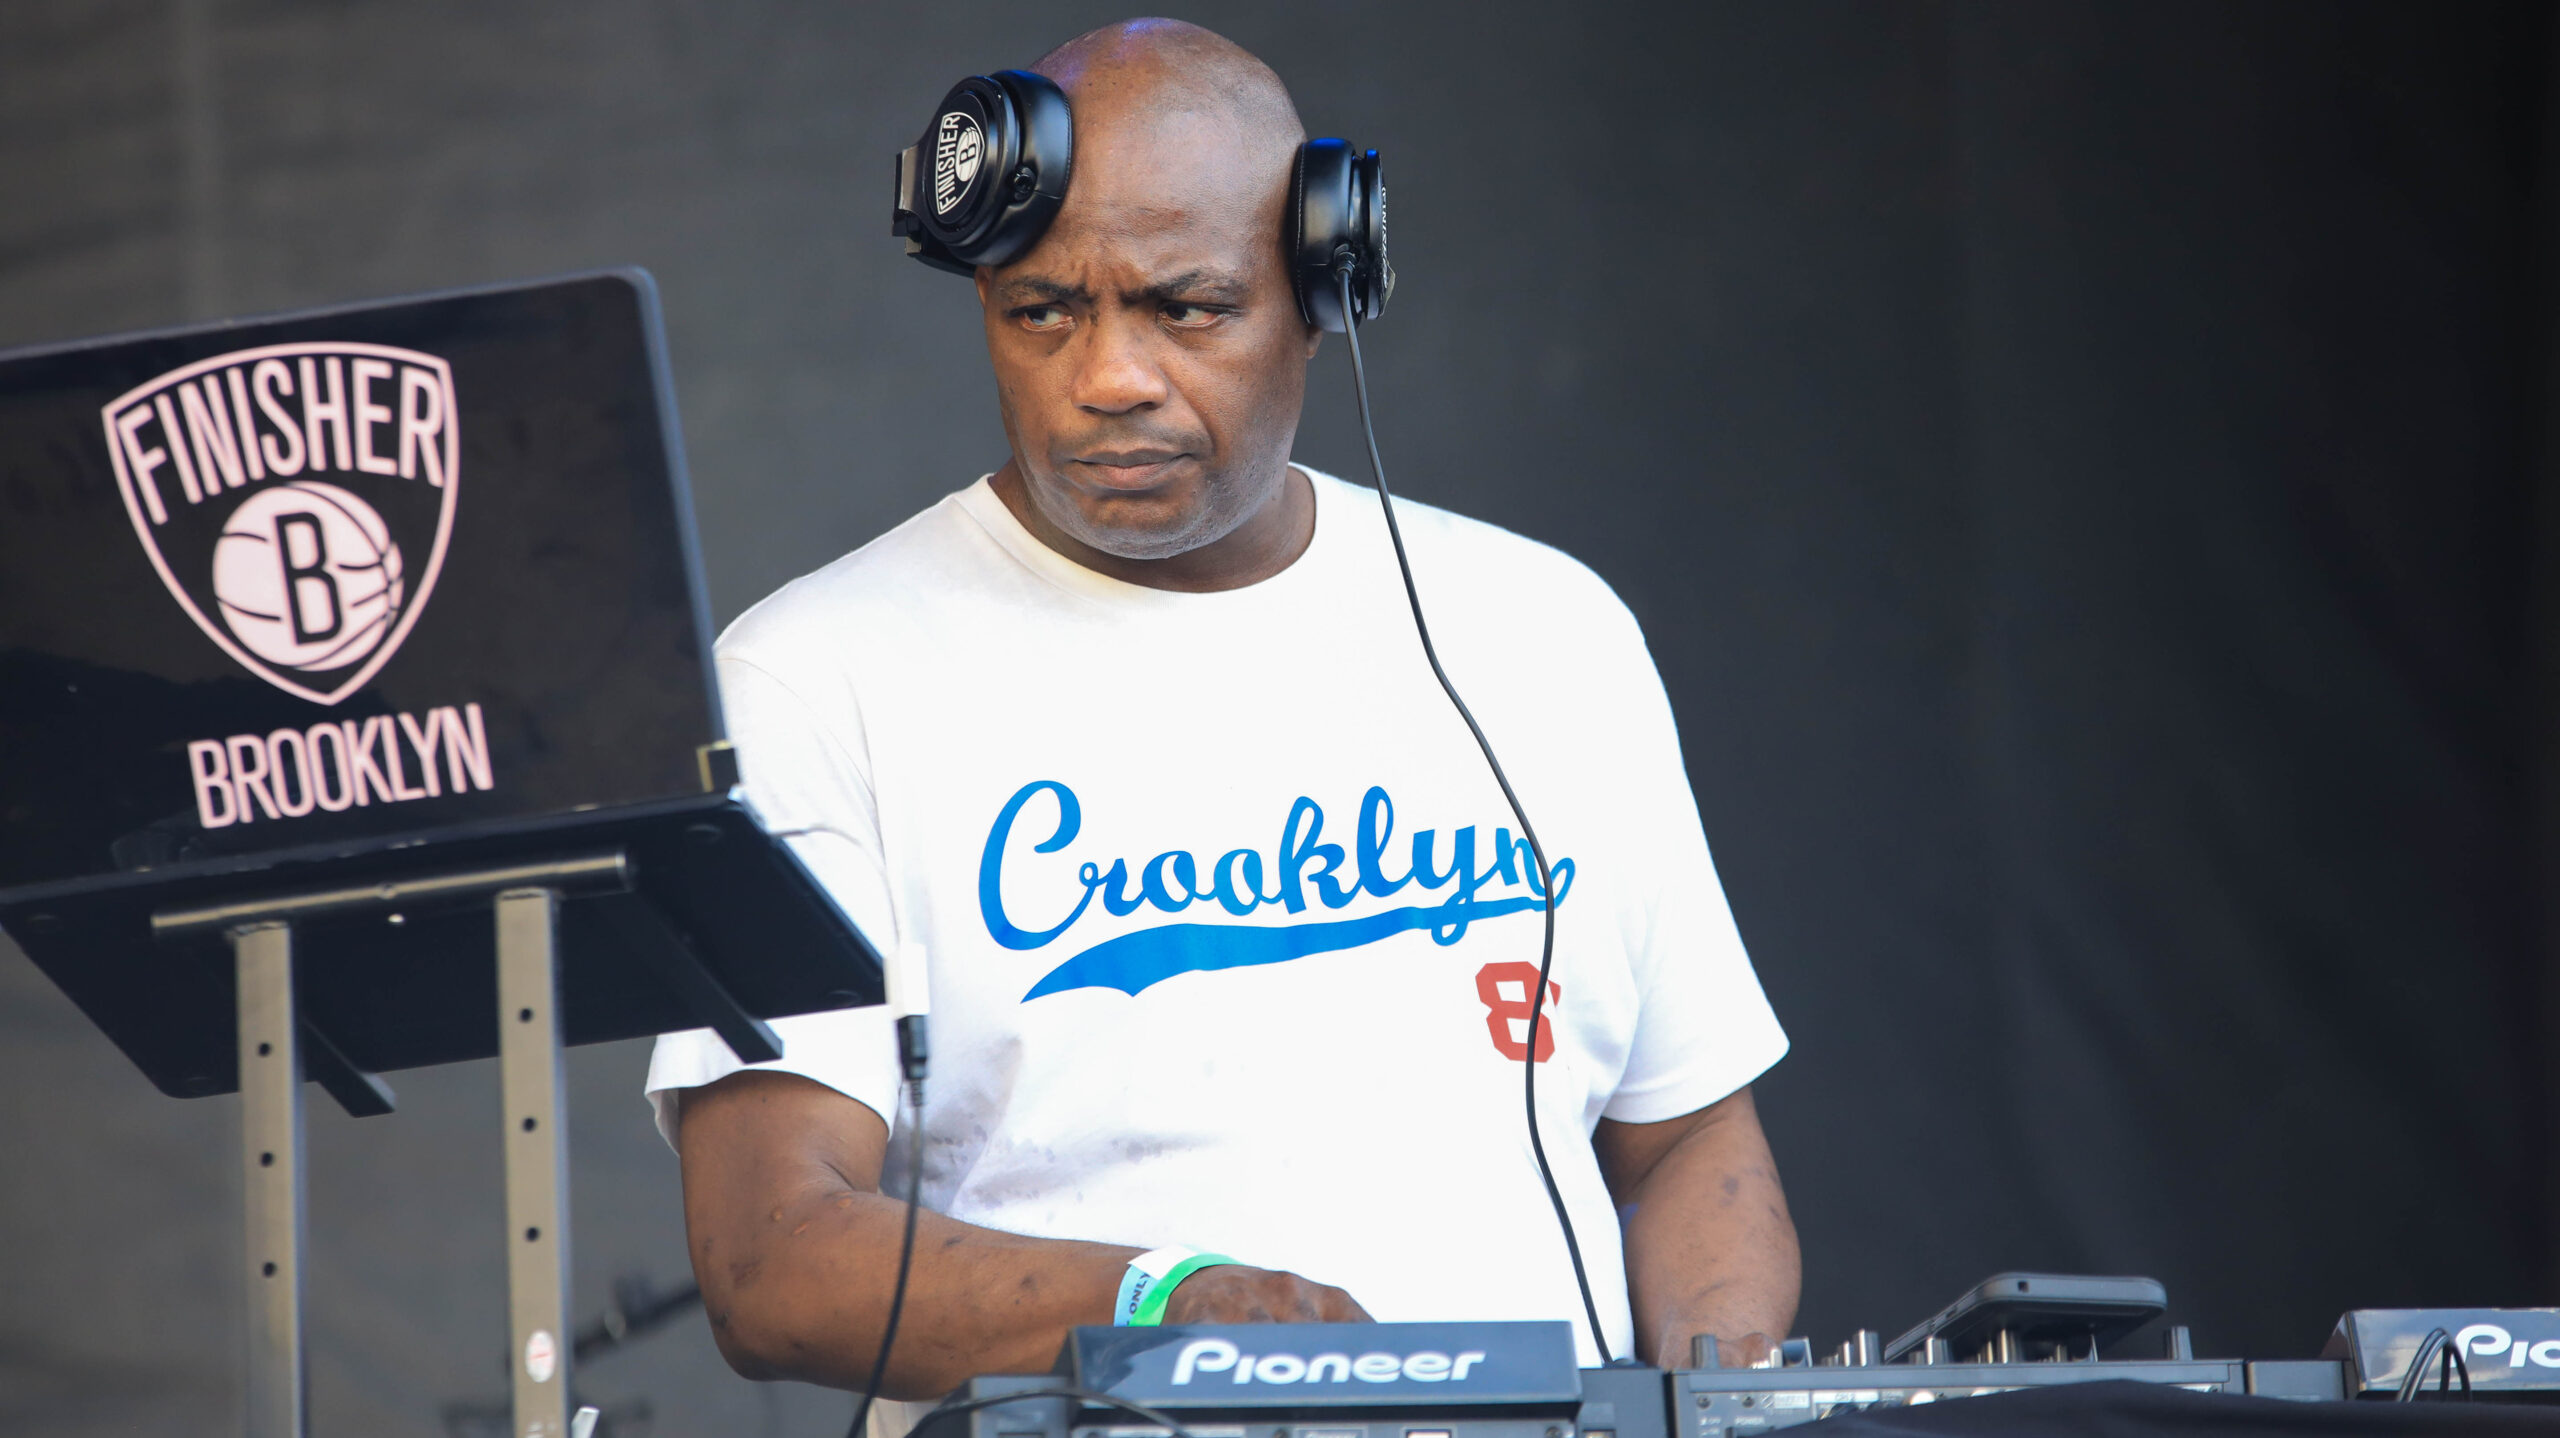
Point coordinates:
[[296, 500]]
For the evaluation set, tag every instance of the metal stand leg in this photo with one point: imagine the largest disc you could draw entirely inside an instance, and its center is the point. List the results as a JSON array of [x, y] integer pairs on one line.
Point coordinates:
[[537, 1167], [271, 1152]]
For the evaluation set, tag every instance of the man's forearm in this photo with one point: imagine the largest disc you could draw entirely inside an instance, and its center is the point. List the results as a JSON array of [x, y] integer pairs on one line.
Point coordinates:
[[806, 1298], [1710, 1246], [796, 1250]]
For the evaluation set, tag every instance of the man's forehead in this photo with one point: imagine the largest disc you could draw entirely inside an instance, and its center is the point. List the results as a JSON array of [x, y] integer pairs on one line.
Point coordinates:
[[1066, 278], [1144, 248], [1157, 203], [1173, 118], [1179, 162]]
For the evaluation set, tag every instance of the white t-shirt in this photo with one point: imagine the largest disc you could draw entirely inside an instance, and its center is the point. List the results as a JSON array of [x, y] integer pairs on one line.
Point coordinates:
[[1229, 929]]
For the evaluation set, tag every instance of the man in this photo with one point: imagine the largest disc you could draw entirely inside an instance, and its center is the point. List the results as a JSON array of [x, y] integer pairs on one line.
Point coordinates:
[[1230, 936]]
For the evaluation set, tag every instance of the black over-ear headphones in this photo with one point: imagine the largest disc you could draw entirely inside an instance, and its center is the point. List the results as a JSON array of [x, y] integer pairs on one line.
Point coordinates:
[[991, 171]]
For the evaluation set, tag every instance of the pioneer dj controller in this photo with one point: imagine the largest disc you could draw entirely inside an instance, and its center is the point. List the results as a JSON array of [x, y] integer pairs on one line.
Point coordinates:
[[1521, 1380]]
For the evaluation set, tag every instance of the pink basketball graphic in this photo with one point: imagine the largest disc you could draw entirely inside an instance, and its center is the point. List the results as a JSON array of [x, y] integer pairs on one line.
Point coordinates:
[[307, 576], [296, 499]]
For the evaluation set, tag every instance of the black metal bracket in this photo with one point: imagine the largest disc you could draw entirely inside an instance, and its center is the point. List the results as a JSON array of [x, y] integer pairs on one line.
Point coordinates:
[[675, 961], [361, 1094]]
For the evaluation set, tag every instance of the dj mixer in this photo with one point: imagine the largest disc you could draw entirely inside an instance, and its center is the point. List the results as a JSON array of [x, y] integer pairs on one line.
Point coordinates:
[[1521, 1380]]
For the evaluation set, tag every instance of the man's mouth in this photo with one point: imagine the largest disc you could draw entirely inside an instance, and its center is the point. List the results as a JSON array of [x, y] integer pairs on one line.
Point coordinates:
[[1129, 468]]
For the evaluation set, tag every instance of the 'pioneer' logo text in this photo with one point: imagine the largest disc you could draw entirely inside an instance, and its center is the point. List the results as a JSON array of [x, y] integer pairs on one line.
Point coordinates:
[[2488, 1340], [1217, 1355]]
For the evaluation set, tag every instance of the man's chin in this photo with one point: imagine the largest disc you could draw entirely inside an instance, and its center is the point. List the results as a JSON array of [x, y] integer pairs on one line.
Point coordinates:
[[1150, 526], [1125, 542]]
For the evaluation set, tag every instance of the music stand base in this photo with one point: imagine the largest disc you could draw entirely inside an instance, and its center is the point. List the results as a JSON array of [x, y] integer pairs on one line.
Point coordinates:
[[530, 1084], [273, 1040], [271, 1165]]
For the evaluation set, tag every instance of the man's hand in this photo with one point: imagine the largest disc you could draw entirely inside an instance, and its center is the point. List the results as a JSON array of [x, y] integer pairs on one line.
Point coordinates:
[[1233, 1293], [1743, 1352], [796, 1249], [1710, 1247]]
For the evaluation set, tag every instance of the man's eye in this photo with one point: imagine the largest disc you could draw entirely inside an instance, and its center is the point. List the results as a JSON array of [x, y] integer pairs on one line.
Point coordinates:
[[1041, 317], [1188, 315]]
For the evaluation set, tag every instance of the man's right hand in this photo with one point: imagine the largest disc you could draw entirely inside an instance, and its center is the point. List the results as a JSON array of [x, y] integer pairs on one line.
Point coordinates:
[[796, 1249], [1234, 1293]]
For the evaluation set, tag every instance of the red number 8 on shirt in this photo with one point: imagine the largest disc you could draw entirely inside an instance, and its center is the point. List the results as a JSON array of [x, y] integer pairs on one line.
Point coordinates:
[[1505, 989]]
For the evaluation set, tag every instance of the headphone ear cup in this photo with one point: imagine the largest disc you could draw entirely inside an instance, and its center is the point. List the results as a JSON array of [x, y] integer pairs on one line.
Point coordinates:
[[987, 177], [1319, 221], [1337, 212]]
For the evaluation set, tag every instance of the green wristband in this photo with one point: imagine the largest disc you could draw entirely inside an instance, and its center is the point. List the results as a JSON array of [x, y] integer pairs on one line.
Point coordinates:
[[1150, 1311]]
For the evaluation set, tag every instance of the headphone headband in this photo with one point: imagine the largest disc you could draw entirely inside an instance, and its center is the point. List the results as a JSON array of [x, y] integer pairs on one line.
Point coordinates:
[[989, 174]]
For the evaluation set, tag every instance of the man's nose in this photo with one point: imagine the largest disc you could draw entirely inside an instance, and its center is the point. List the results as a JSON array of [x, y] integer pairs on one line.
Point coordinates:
[[1117, 373]]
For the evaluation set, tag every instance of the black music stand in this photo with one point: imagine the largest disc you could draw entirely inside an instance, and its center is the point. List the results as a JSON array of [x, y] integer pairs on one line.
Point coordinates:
[[407, 752], [677, 916]]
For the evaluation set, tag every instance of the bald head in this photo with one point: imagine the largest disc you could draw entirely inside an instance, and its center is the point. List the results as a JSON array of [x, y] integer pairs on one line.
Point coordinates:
[[1169, 116], [1172, 66], [1150, 358]]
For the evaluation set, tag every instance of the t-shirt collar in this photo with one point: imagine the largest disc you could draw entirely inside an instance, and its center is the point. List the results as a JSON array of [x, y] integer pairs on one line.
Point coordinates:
[[982, 504]]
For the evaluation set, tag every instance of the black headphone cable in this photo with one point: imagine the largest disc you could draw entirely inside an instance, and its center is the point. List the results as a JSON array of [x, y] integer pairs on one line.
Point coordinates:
[[1343, 266], [911, 1061]]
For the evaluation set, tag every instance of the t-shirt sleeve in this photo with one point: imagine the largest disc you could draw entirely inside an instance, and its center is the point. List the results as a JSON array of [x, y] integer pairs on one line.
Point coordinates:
[[1704, 1029], [807, 783]]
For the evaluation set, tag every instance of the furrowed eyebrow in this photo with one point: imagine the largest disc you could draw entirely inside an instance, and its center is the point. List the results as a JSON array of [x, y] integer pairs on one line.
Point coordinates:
[[1025, 290], [1196, 286]]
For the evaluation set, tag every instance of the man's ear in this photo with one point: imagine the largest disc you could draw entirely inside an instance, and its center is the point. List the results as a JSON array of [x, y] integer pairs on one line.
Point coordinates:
[[1315, 341], [979, 277]]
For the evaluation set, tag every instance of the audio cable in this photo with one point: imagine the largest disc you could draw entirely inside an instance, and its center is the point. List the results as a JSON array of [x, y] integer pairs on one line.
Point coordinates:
[[1343, 264], [910, 997], [2437, 1347]]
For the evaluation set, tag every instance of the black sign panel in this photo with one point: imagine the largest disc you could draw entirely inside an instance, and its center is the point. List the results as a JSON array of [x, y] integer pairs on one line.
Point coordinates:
[[363, 597], [307, 584]]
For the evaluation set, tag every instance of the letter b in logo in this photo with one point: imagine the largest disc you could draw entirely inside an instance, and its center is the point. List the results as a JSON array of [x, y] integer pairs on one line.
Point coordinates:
[[307, 576]]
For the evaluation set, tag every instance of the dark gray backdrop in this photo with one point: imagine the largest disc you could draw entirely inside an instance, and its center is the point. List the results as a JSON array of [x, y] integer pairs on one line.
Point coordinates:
[[2078, 466]]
